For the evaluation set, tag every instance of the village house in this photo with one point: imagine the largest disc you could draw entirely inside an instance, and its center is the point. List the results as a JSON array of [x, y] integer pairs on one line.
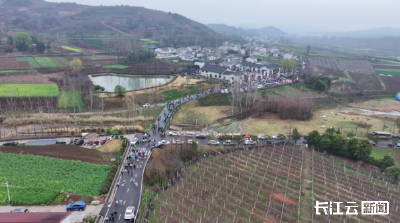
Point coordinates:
[[213, 71], [194, 49], [288, 56], [251, 59]]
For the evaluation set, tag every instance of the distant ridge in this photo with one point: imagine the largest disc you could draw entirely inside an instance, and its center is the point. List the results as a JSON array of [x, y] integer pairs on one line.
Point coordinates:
[[232, 30]]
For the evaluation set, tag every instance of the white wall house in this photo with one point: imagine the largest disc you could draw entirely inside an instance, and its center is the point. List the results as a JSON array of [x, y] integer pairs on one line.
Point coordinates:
[[194, 49], [201, 64], [288, 56], [251, 59], [214, 71], [187, 57], [163, 53]]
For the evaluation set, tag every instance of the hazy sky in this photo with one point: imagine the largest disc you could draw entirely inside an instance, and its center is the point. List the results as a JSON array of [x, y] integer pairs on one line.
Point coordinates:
[[327, 15]]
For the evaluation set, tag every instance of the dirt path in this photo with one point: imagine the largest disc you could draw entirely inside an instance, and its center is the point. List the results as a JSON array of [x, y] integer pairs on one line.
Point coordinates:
[[306, 206], [117, 30]]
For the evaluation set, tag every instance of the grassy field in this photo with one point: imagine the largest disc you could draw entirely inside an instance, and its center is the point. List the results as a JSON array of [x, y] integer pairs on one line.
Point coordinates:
[[191, 111], [28, 90], [379, 153], [52, 174], [72, 49], [393, 72], [112, 146], [386, 104], [290, 91], [45, 62], [70, 99], [272, 125], [116, 66]]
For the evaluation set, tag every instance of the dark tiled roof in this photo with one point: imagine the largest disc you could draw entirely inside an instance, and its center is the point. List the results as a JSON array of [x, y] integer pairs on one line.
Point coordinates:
[[247, 64], [36, 217], [214, 68], [216, 61], [234, 73], [272, 66]]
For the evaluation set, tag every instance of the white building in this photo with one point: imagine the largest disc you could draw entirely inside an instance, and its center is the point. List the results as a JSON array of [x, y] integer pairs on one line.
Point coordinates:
[[251, 59], [214, 71]]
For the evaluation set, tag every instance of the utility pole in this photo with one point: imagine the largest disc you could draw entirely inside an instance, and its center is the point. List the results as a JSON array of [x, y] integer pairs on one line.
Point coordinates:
[[8, 191]]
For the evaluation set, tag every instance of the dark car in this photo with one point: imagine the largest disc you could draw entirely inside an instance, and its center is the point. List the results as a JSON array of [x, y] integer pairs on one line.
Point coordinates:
[[11, 143], [201, 136], [77, 206], [79, 142], [396, 136], [19, 210], [305, 136], [158, 145]]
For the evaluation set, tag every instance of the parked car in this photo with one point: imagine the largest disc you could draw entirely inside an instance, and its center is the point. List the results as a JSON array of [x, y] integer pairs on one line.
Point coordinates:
[[129, 212], [259, 86], [275, 137], [19, 210], [395, 136], [158, 145], [249, 142], [76, 206], [213, 142], [147, 105], [11, 143], [228, 143], [164, 142], [189, 133], [134, 141], [201, 136], [226, 91], [79, 142], [305, 136], [174, 133], [261, 136], [270, 142], [241, 90]]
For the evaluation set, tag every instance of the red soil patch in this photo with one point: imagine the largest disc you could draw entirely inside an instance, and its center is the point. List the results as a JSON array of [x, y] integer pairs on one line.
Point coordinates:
[[273, 170], [283, 198]]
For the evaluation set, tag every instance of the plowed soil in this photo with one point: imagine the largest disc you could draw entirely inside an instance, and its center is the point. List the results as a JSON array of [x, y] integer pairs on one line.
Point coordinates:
[[67, 152], [283, 198]]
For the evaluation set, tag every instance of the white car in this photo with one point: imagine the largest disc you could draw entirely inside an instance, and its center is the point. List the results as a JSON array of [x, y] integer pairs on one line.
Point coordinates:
[[213, 142], [261, 136], [190, 133], [174, 133], [249, 142], [129, 212], [164, 142], [241, 90], [275, 137], [226, 91], [147, 105], [259, 86], [134, 141]]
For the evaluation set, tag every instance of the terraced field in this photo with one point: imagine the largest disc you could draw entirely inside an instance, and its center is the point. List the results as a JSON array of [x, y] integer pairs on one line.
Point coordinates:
[[274, 184]]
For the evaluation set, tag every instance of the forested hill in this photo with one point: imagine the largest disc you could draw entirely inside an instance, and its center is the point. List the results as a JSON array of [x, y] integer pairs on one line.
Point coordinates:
[[231, 30], [46, 17]]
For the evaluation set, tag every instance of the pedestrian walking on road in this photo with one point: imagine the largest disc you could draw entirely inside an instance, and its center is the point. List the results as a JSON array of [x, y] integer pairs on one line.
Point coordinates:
[[118, 185], [120, 201], [122, 172], [132, 173], [123, 185], [116, 203]]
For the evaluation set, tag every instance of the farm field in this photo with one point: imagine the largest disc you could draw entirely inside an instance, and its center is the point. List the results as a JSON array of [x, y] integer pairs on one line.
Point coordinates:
[[32, 78], [17, 71], [28, 90], [324, 62], [393, 72], [250, 186], [379, 153], [263, 185], [52, 174], [72, 49], [27, 195], [190, 111], [115, 66], [38, 62], [271, 124], [357, 66], [66, 152]]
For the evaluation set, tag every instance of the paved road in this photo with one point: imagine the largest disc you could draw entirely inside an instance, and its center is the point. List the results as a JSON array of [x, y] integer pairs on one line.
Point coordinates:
[[130, 194]]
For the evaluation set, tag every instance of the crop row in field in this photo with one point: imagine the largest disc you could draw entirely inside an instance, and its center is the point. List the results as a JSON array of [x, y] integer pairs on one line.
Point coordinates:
[[38, 62], [393, 72], [116, 66], [52, 174], [27, 195], [72, 49], [28, 90], [17, 71]]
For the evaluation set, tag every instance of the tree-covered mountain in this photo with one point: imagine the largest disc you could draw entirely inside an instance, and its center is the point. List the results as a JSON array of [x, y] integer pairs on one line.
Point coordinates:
[[232, 30], [76, 19]]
